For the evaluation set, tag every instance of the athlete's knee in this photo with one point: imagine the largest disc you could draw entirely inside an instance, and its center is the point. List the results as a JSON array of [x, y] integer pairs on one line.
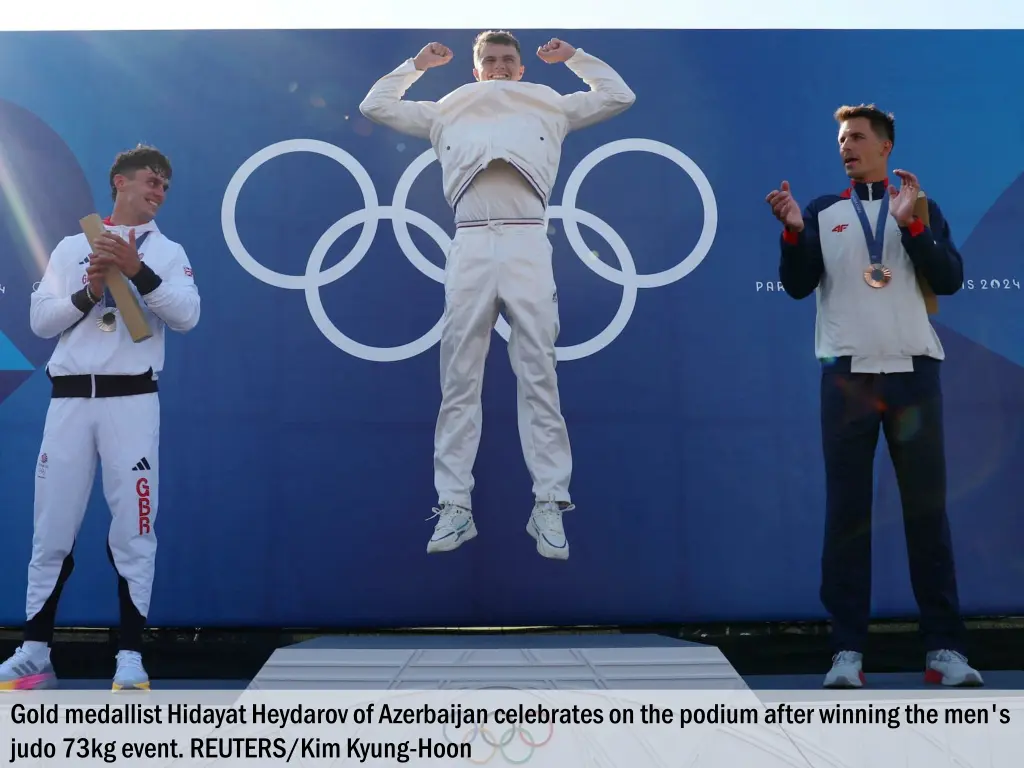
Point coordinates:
[[461, 387], [47, 550]]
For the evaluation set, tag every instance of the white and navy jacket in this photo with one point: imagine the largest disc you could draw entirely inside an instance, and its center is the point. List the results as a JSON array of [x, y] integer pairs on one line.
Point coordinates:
[[166, 290], [875, 330], [519, 122]]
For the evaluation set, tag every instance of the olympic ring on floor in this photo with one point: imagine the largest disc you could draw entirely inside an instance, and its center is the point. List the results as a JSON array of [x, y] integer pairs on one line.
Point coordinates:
[[499, 744], [401, 217]]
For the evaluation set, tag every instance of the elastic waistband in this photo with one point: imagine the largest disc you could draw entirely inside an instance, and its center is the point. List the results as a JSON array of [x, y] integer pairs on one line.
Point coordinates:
[[499, 223], [103, 385], [845, 363]]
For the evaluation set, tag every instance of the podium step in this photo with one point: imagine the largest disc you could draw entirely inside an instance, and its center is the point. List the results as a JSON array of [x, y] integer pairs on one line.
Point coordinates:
[[523, 661]]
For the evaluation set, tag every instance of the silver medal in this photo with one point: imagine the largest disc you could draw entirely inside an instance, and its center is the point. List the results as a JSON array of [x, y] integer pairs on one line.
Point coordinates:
[[107, 321]]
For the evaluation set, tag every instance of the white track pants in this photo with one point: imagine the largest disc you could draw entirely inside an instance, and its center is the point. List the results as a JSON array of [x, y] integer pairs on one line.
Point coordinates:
[[489, 268], [123, 433]]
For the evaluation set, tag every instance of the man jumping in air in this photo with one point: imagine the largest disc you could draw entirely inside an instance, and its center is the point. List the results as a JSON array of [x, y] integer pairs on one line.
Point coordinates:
[[498, 141]]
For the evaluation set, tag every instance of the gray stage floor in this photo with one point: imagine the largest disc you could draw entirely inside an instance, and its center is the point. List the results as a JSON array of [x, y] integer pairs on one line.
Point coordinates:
[[348, 651], [996, 680]]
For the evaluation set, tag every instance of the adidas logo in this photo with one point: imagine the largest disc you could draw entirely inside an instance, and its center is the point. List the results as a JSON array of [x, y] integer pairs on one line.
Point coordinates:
[[141, 466]]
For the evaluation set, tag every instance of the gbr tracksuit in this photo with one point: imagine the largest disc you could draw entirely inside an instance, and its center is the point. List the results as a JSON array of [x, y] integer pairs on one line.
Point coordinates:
[[499, 147], [104, 407]]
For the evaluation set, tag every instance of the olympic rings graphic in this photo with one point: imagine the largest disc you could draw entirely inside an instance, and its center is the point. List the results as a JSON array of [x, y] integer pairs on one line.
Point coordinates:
[[401, 217], [499, 744]]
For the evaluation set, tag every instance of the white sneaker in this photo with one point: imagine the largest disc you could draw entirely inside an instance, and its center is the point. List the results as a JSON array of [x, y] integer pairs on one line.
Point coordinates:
[[951, 668], [130, 674], [453, 529], [28, 669], [846, 672], [546, 528]]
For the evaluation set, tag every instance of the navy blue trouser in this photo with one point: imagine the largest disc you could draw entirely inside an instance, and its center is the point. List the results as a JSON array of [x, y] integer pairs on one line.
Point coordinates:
[[908, 408]]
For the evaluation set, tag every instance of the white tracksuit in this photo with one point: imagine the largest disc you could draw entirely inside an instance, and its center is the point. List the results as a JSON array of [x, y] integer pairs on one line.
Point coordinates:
[[113, 420], [499, 144]]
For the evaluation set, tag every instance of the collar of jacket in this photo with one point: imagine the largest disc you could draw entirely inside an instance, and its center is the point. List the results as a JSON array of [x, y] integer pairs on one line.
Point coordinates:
[[149, 226], [872, 191]]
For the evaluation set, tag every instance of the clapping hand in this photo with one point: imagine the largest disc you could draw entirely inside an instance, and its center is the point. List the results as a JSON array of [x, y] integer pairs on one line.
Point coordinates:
[[902, 201], [111, 251], [96, 273], [785, 208]]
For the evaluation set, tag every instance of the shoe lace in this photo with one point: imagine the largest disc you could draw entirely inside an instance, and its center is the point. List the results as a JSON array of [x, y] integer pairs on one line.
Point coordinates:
[[129, 660], [446, 512], [846, 657], [948, 656], [548, 515]]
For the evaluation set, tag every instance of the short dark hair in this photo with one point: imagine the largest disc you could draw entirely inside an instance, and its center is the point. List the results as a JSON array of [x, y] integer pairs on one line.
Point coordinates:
[[141, 158], [498, 37], [882, 123]]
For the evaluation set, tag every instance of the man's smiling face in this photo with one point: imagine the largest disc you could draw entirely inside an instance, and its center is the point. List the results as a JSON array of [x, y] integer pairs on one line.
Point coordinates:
[[497, 61]]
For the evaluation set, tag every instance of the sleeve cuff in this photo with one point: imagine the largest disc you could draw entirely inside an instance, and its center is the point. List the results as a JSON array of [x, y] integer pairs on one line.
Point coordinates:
[[146, 280], [916, 227], [82, 301], [789, 237]]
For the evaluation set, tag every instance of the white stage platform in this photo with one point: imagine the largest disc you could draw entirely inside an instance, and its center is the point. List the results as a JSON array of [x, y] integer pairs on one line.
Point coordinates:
[[522, 661]]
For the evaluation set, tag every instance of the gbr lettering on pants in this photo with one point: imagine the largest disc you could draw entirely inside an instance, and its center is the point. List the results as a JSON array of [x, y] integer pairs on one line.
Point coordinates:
[[142, 491]]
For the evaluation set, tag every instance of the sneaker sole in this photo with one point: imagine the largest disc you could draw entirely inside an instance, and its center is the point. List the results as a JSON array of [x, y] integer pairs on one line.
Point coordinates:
[[543, 548], [130, 686], [933, 677], [452, 542], [30, 683], [845, 683]]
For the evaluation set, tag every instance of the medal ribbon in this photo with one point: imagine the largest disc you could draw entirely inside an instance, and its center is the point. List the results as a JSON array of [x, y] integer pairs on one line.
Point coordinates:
[[108, 300], [874, 241]]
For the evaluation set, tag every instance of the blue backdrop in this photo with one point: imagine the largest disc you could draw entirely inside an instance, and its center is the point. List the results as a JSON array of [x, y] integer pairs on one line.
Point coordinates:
[[297, 473]]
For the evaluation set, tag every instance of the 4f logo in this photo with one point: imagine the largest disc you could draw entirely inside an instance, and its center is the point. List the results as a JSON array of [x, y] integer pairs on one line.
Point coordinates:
[[840, 227]]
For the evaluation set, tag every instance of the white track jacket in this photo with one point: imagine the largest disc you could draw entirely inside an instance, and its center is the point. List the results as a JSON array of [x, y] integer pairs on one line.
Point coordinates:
[[167, 294], [520, 122]]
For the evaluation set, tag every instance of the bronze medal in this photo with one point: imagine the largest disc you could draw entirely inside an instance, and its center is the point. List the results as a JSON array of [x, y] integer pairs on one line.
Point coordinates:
[[877, 276]]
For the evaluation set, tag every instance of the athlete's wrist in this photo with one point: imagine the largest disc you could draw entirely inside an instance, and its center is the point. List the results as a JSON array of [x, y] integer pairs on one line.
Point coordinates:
[[83, 300], [146, 280]]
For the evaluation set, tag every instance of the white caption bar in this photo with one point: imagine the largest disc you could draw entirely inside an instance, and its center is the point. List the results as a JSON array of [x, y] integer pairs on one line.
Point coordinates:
[[568, 729]]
